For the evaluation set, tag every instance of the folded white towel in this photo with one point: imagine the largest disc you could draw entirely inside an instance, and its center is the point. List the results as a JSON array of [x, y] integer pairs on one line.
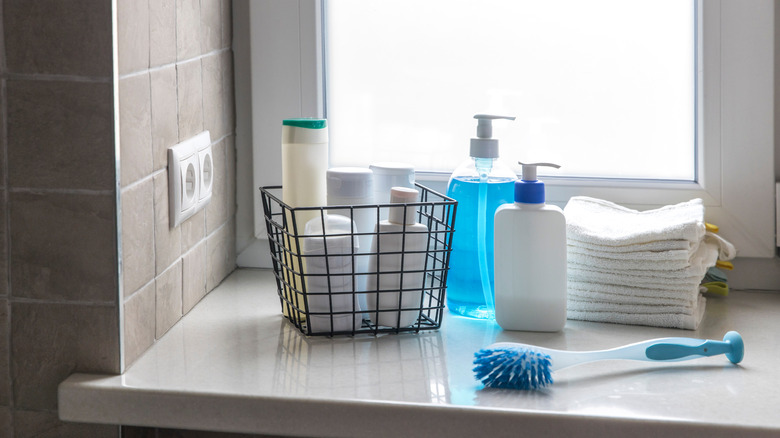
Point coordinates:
[[638, 315], [605, 223], [639, 267], [726, 251], [641, 258], [622, 278], [650, 309], [676, 255], [658, 245], [633, 295], [637, 263], [596, 271]]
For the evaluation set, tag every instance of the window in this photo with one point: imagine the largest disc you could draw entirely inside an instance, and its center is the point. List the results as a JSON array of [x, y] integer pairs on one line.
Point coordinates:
[[605, 88], [734, 120]]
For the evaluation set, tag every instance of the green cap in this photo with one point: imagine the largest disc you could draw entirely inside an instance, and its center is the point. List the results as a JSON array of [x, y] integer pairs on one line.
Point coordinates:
[[306, 123]]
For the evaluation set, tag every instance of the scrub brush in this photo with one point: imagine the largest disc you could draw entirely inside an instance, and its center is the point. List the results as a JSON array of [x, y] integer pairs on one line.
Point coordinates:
[[519, 366]]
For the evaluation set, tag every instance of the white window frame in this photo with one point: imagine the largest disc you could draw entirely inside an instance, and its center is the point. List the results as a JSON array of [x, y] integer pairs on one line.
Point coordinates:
[[735, 117]]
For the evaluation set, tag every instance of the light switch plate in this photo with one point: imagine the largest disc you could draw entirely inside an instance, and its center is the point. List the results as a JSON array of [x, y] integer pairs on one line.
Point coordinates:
[[190, 177]]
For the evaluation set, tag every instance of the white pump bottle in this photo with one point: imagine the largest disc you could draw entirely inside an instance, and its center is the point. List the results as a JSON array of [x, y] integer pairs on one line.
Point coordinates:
[[530, 259]]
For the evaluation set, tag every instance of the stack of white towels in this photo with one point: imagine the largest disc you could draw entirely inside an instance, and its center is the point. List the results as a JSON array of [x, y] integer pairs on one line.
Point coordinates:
[[639, 267]]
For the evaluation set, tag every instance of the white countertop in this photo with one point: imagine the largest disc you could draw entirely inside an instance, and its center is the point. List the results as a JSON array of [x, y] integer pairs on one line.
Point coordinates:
[[234, 364]]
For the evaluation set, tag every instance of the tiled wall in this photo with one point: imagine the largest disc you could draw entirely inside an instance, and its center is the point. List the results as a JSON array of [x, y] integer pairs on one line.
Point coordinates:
[[58, 208], [61, 291], [175, 80]]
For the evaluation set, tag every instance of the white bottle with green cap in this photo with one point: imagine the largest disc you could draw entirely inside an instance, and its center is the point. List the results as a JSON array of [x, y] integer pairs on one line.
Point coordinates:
[[304, 167], [530, 259]]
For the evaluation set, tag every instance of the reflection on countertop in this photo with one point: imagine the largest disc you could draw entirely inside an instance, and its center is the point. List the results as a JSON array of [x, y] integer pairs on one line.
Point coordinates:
[[234, 364]]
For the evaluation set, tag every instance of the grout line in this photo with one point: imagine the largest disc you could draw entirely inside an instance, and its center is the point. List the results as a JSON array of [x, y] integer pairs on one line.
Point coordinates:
[[181, 257], [144, 179], [154, 173], [58, 78], [36, 190], [26, 300], [132, 294], [173, 64]]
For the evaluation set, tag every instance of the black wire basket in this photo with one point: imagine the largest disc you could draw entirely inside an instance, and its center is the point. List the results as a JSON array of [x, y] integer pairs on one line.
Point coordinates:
[[329, 284]]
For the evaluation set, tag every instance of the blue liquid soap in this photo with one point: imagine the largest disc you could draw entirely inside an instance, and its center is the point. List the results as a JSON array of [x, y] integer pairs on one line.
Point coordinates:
[[480, 185], [466, 287]]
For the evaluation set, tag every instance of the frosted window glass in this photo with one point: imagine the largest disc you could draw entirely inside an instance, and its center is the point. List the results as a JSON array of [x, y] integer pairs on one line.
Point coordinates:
[[603, 88]]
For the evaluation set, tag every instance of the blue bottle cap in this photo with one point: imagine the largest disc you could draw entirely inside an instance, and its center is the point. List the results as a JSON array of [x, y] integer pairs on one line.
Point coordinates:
[[530, 190]]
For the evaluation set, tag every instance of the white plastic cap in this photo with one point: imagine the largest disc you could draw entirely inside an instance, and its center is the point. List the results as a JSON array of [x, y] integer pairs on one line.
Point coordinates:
[[403, 215], [403, 173], [350, 183], [484, 146], [390, 174]]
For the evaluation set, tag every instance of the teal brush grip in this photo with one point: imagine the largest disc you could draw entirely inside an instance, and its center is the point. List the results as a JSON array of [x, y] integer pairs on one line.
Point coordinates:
[[732, 346]]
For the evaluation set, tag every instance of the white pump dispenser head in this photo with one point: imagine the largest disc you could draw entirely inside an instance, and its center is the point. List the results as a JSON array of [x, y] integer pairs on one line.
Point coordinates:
[[529, 169], [485, 146], [528, 189]]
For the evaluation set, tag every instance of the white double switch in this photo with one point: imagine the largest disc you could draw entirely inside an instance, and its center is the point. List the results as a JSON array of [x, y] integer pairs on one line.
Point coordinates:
[[190, 177]]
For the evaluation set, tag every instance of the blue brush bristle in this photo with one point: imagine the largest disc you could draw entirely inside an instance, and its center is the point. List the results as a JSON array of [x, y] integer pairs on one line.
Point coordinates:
[[512, 368]]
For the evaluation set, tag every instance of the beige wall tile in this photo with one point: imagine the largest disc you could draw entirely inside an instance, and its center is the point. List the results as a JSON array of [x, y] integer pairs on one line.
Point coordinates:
[[167, 240], [165, 119], [210, 25], [135, 128], [140, 323], [187, 29], [132, 23], [230, 157], [194, 278], [217, 211], [30, 424], [228, 93], [168, 287], [193, 230], [57, 38], [162, 31], [221, 249], [218, 101], [190, 99], [213, 98], [5, 383], [227, 23], [50, 341], [137, 236], [60, 135], [63, 246]]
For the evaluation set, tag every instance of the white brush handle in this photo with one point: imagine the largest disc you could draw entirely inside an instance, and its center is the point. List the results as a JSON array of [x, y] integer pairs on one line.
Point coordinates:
[[656, 350]]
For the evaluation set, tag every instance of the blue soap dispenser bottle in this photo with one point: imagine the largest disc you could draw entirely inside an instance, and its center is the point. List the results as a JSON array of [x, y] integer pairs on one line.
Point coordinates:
[[480, 185]]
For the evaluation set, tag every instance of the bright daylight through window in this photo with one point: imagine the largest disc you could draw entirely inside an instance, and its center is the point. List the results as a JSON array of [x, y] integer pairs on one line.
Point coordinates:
[[606, 88]]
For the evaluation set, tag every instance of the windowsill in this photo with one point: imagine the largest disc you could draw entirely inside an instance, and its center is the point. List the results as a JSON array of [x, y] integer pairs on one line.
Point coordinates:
[[233, 364]]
